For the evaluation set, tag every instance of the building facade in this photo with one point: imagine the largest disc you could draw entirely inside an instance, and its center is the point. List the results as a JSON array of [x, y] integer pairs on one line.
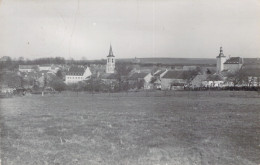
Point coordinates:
[[76, 74], [27, 68], [173, 80], [110, 68], [233, 64]]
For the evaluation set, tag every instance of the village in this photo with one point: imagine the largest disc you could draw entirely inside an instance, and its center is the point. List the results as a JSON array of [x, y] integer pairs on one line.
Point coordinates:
[[114, 76]]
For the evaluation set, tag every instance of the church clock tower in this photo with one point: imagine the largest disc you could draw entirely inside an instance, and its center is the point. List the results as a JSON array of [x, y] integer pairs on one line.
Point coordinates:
[[110, 62]]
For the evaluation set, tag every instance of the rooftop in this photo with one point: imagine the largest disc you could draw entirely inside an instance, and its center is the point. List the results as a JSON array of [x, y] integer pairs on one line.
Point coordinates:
[[234, 60], [136, 76], [76, 70], [173, 74]]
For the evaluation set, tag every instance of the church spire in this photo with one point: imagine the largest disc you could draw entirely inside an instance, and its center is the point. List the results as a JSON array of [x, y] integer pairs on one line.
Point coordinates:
[[110, 52]]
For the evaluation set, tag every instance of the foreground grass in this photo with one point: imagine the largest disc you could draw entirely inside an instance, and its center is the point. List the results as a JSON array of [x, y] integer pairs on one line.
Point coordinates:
[[136, 128]]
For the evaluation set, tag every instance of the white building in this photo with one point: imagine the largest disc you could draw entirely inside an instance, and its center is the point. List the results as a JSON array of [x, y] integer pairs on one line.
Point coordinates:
[[221, 59], [76, 74], [110, 68], [233, 64], [45, 67], [27, 68]]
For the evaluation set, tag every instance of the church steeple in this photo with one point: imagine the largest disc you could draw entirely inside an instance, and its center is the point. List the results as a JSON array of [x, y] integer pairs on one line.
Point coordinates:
[[110, 52], [110, 61]]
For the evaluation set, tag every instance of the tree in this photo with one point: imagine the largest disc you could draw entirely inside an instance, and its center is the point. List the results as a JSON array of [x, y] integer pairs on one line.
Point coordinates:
[[208, 71], [237, 77], [57, 84], [123, 69], [59, 74], [214, 77]]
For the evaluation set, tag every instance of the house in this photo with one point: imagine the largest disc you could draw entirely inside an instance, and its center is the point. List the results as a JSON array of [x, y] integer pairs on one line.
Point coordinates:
[[76, 74], [173, 80], [138, 78], [211, 83], [198, 80], [27, 68], [45, 67], [156, 80], [233, 64]]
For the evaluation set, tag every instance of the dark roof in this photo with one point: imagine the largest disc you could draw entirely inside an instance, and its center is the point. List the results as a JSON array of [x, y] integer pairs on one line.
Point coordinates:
[[234, 60], [137, 76], [75, 70], [110, 52], [172, 74]]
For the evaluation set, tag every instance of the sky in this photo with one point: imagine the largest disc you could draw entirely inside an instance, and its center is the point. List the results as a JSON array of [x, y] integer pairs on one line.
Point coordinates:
[[84, 29]]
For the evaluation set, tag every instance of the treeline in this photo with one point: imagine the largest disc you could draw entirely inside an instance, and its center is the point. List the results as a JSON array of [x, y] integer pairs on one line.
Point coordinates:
[[13, 64]]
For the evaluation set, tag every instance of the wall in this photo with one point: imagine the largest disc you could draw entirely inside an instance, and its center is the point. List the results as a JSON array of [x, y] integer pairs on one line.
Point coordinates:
[[220, 63], [232, 67]]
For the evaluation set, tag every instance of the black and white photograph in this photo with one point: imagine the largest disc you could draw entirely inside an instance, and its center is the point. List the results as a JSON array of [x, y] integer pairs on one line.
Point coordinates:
[[129, 82]]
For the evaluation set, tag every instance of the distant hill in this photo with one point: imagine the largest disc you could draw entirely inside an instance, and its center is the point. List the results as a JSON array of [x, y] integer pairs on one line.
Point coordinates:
[[184, 61], [174, 61]]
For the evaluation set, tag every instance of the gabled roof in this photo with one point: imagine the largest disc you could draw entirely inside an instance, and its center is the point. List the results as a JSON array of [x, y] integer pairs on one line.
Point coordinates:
[[137, 76], [76, 70], [110, 52], [234, 60], [173, 74]]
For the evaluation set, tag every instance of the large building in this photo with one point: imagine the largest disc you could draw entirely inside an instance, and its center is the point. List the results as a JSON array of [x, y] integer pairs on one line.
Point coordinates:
[[233, 64], [221, 59], [76, 74], [110, 68]]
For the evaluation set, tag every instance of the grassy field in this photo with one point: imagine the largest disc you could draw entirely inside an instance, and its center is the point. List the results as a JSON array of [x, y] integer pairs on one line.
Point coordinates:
[[174, 128]]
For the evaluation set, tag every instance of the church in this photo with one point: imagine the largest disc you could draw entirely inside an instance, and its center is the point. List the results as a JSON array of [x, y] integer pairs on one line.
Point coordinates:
[[110, 68], [233, 64]]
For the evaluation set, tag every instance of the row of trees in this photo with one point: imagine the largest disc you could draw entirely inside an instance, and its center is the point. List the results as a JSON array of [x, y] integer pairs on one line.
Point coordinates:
[[11, 64], [244, 77]]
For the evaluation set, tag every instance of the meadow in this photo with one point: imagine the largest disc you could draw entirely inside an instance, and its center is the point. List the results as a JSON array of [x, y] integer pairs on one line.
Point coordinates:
[[139, 128]]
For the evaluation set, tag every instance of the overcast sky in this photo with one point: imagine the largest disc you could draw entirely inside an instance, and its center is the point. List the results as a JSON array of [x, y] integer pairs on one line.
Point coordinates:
[[135, 28]]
